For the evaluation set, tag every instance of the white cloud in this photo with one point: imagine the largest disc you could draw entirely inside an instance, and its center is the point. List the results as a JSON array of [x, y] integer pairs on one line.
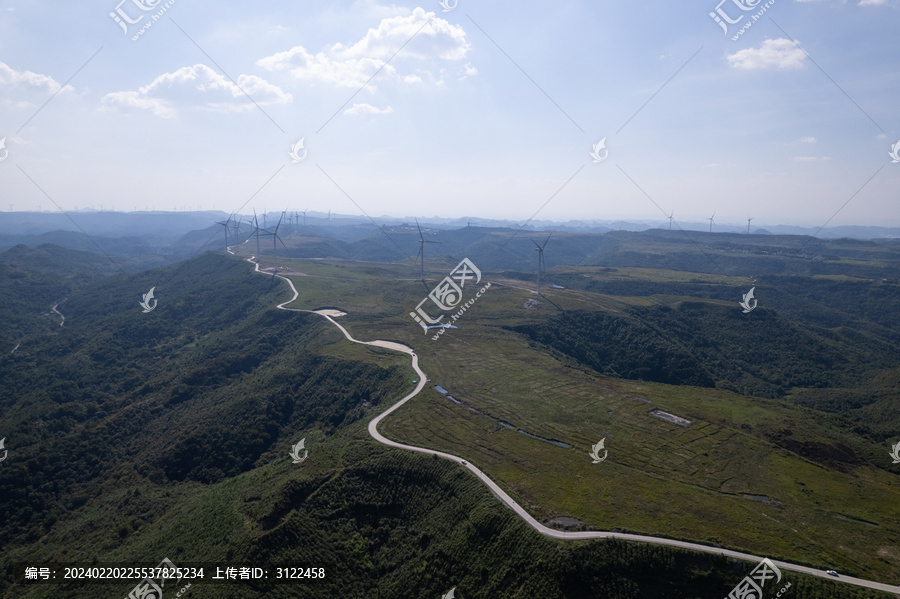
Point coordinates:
[[198, 85], [808, 140], [28, 80], [779, 53], [872, 2], [468, 71], [322, 67], [132, 99], [364, 109], [352, 66]]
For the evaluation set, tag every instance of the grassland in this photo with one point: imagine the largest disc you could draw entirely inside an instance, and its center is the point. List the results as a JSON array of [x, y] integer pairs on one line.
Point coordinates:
[[719, 481]]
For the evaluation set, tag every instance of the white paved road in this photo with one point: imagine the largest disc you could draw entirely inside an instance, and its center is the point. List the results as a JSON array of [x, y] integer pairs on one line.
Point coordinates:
[[518, 509], [53, 309]]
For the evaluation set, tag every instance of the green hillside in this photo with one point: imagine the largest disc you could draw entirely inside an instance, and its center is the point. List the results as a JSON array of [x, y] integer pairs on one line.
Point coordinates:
[[134, 437]]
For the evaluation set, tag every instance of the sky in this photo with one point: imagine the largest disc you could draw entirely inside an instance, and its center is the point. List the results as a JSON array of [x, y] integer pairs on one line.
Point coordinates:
[[469, 108]]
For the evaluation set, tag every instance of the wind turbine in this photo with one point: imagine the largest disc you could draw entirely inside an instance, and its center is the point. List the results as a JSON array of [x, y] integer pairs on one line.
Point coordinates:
[[422, 242], [275, 240], [237, 228], [226, 225], [304, 217], [540, 250], [255, 232], [748, 225], [711, 221], [670, 217]]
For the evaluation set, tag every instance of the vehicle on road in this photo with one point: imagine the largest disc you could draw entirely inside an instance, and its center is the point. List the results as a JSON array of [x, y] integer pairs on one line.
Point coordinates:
[[464, 462], [831, 572]]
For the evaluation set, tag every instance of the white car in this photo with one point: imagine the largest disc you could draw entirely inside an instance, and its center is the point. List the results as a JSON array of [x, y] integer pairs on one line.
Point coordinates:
[[464, 462], [831, 572]]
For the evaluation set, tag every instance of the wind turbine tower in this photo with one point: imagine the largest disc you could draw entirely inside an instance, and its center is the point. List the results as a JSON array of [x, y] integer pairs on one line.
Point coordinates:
[[276, 239], [711, 221], [748, 225], [226, 224], [671, 218], [256, 232], [237, 229], [422, 242], [540, 250]]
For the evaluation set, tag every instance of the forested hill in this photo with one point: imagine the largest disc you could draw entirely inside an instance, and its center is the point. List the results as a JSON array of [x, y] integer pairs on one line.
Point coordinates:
[[697, 343]]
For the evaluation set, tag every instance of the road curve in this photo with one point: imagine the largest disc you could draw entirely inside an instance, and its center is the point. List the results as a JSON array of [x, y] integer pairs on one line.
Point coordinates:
[[518, 509], [53, 309]]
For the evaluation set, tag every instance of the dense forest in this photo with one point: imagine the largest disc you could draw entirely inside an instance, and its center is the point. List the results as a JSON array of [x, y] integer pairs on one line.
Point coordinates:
[[702, 344]]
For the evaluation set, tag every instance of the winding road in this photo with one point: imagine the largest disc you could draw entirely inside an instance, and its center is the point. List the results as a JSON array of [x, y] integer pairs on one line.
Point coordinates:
[[518, 509], [53, 309]]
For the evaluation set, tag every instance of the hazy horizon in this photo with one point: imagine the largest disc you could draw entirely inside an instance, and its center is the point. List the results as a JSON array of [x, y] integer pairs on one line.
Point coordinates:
[[416, 109]]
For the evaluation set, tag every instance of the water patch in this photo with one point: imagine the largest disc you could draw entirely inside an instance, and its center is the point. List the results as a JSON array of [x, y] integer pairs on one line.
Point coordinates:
[[670, 417], [849, 519], [557, 443], [442, 326], [763, 498], [500, 422]]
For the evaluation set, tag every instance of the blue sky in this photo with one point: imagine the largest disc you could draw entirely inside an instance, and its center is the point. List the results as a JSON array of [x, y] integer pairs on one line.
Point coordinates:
[[488, 110]]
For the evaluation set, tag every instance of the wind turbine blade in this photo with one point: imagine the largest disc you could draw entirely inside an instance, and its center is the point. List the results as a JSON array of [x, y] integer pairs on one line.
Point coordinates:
[[279, 239], [535, 244], [548, 239]]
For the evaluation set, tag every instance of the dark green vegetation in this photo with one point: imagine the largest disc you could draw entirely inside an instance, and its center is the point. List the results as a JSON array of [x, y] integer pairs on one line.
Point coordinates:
[[135, 436], [714, 346]]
